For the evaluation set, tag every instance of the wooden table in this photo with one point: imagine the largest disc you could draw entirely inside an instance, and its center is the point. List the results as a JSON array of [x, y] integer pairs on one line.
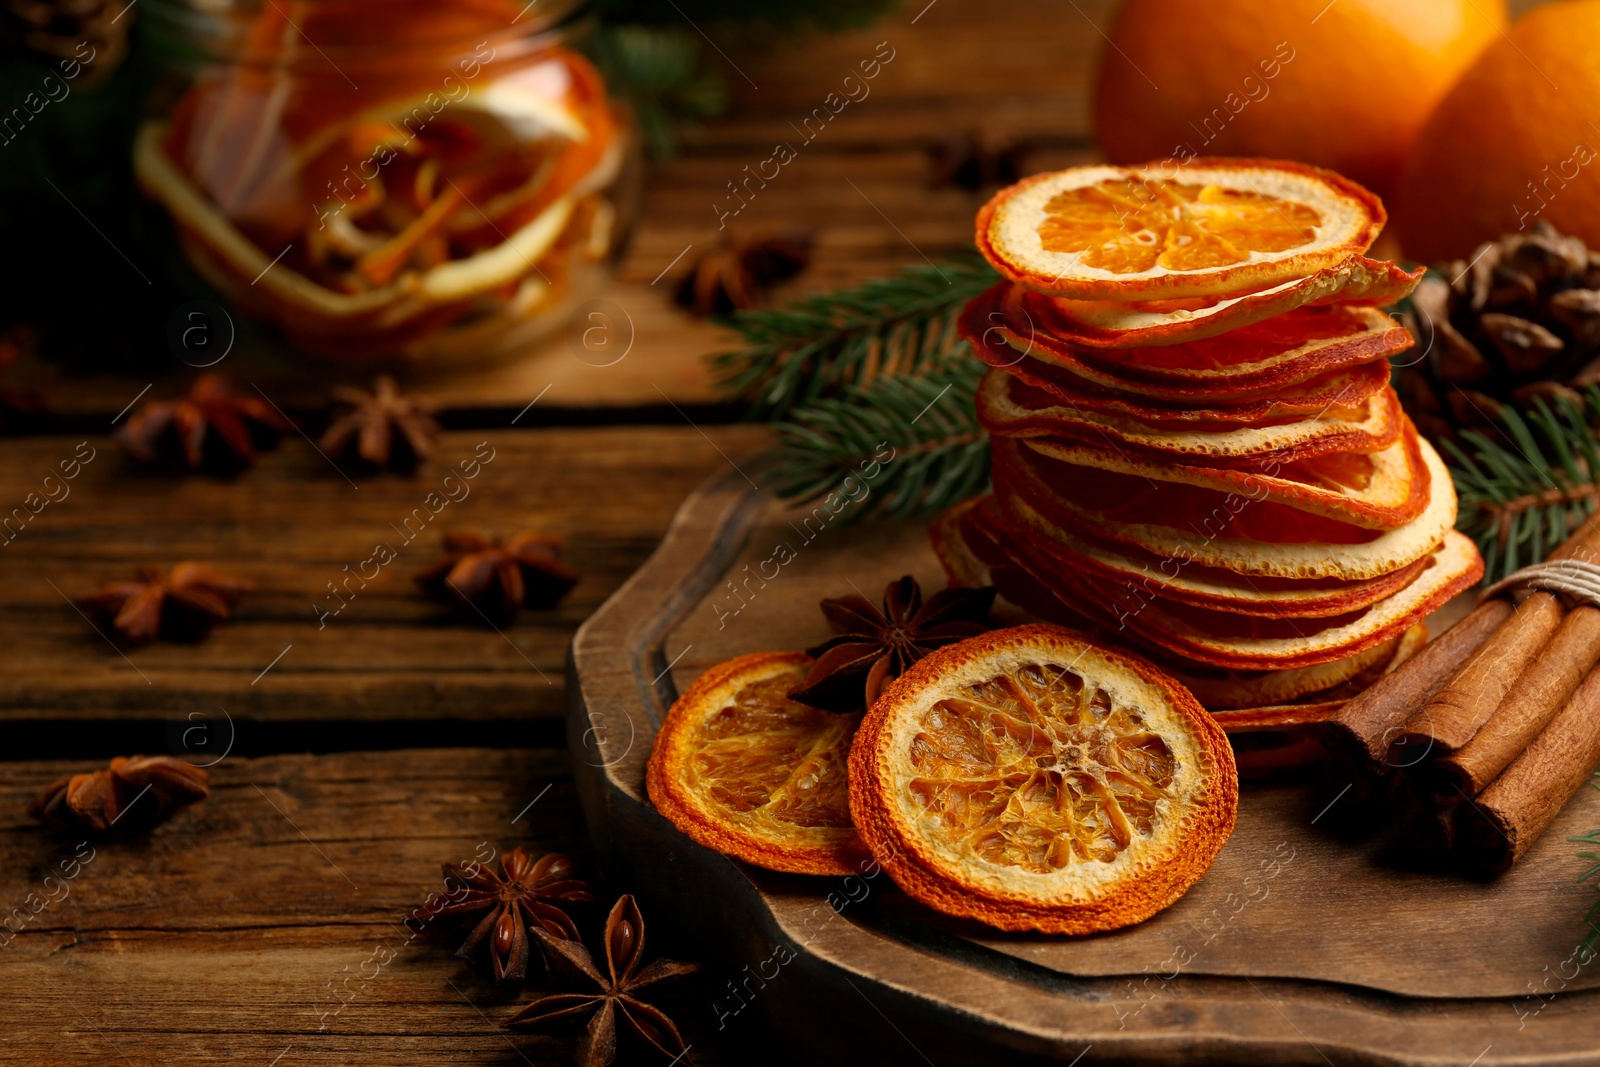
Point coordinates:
[[363, 753], [357, 756]]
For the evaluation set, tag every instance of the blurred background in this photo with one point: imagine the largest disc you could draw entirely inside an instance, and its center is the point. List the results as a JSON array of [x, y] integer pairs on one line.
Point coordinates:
[[311, 167]]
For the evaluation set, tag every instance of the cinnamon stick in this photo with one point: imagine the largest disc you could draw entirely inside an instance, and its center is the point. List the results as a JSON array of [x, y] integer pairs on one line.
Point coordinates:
[[1529, 706], [1426, 827], [1367, 726], [1466, 701], [1508, 817]]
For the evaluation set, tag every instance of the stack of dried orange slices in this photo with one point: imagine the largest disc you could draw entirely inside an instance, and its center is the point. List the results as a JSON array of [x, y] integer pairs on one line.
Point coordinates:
[[1197, 452], [1195, 441]]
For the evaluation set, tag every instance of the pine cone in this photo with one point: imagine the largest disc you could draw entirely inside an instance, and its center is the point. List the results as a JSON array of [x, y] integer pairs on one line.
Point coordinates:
[[1517, 322], [59, 33]]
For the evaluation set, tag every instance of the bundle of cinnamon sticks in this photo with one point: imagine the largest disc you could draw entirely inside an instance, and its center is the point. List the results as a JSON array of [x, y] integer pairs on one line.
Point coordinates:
[[1490, 729]]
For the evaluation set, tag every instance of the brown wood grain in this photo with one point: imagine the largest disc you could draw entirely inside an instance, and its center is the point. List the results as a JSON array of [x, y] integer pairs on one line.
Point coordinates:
[[269, 919], [1026, 71], [291, 526]]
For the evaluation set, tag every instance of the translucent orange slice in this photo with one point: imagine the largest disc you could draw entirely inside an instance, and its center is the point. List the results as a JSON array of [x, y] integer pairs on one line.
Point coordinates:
[[1162, 231], [743, 769], [1034, 780]]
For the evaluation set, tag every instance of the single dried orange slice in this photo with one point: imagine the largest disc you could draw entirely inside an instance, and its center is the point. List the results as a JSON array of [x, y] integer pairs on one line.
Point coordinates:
[[1136, 324], [743, 769], [1161, 231], [1034, 780]]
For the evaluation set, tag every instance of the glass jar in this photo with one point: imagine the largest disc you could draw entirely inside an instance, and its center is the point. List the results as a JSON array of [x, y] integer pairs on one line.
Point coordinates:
[[430, 180]]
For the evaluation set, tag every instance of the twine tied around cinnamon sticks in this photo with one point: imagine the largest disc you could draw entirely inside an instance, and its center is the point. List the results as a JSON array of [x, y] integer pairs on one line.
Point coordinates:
[[1496, 724], [1574, 580]]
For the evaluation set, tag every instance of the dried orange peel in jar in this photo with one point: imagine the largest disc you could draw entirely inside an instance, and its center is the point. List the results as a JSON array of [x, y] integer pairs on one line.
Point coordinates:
[[741, 768], [1162, 231], [441, 208], [1033, 780]]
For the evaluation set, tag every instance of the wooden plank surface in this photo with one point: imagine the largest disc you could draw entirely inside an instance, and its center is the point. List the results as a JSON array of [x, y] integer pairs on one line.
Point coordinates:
[[291, 526], [266, 925]]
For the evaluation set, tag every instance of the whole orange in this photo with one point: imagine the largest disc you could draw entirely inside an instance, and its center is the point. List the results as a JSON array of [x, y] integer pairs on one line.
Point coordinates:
[[1516, 140], [1345, 84]]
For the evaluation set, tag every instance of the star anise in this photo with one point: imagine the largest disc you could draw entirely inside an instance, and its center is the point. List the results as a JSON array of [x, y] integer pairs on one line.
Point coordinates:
[[516, 900], [973, 161], [874, 647], [213, 425], [181, 605], [615, 1001], [499, 576], [738, 272], [131, 797], [382, 428]]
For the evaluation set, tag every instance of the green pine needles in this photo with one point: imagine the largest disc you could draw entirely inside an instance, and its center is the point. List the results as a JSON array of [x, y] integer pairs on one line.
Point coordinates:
[[854, 374], [1521, 496], [937, 453], [821, 345]]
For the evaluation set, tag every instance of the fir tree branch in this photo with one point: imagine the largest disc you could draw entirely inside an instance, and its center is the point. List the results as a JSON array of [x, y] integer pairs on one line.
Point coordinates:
[[940, 455], [825, 344], [1522, 495]]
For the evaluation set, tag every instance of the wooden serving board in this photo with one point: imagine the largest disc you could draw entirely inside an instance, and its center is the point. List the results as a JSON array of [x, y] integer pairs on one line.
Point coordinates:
[[1309, 941]]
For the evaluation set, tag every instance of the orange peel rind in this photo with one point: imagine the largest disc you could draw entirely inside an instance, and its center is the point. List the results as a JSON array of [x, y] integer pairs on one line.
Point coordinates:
[[1138, 233], [1197, 540], [741, 768], [1146, 577], [1247, 363], [1010, 407], [1110, 324], [1232, 640], [1254, 700], [1032, 779], [362, 235], [1376, 491], [1340, 389]]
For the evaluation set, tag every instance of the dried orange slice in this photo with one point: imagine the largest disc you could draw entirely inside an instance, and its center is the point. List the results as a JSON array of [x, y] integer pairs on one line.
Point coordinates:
[[1342, 389], [1010, 407], [743, 769], [1034, 780], [1248, 362], [1157, 232], [1124, 324]]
